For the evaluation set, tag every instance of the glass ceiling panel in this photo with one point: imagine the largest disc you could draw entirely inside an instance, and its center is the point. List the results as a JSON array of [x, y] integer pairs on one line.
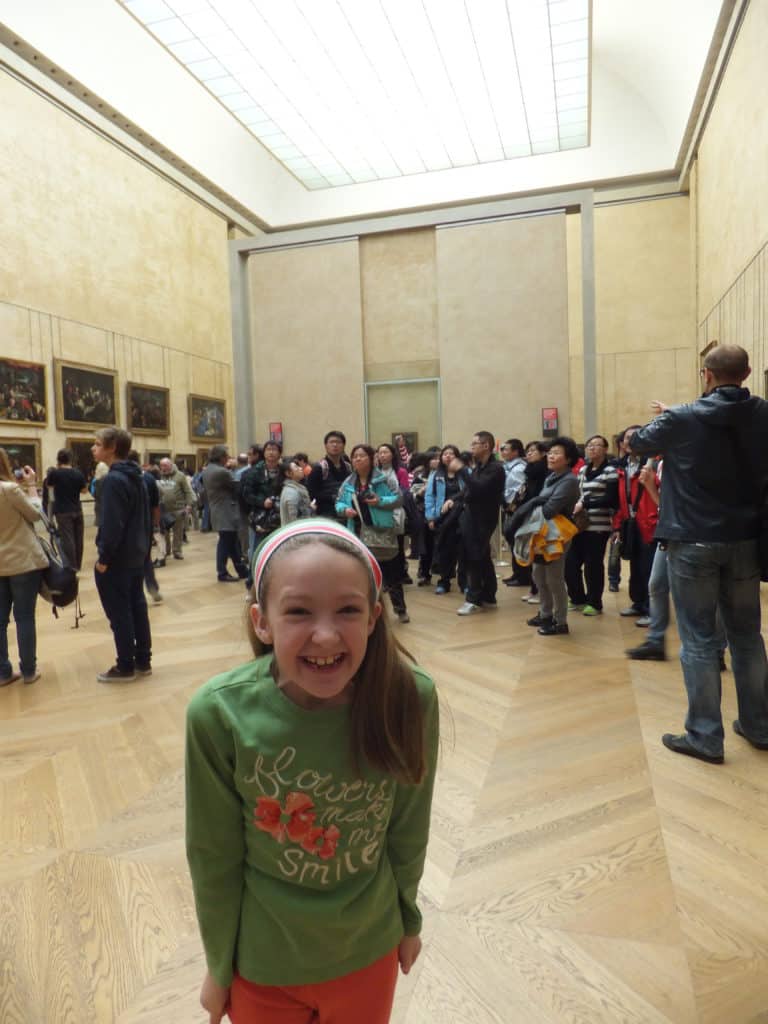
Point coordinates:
[[344, 91]]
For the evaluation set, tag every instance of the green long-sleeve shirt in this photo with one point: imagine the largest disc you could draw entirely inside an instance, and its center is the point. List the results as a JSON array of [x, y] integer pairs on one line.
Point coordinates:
[[302, 870]]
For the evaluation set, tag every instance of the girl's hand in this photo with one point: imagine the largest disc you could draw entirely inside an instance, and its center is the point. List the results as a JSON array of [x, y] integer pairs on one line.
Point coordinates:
[[431, 524], [447, 506], [408, 952], [214, 999], [372, 500], [350, 513]]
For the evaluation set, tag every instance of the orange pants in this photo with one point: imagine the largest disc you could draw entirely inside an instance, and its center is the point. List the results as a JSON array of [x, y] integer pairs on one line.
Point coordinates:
[[365, 995]]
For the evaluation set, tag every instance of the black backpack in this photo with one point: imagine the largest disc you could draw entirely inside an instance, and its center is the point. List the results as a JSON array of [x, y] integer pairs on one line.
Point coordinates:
[[59, 584]]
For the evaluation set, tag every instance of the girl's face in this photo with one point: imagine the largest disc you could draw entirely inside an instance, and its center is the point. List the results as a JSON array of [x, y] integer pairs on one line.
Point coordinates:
[[384, 457], [533, 455], [318, 619], [295, 472], [434, 462], [448, 456], [361, 463]]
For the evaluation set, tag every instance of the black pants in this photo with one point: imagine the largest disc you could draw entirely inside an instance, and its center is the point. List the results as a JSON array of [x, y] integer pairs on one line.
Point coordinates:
[[640, 573], [427, 548], [393, 583], [449, 554], [150, 580], [122, 597], [481, 574], [70, 527], [229, 548], [585, 561]]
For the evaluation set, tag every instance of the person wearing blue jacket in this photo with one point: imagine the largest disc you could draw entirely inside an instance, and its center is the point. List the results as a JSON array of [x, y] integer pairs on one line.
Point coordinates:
[[443, 502], [376, 501], [123, 541]]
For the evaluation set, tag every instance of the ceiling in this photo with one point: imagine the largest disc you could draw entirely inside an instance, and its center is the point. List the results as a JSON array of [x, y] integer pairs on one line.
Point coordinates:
[[351, 91], [461, 139]]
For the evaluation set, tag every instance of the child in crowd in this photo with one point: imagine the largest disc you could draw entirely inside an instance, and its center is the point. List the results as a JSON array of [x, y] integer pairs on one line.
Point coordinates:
[[309, 783]]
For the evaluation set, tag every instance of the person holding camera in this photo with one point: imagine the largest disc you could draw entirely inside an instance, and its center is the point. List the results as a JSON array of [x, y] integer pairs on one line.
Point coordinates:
[[21, 564]]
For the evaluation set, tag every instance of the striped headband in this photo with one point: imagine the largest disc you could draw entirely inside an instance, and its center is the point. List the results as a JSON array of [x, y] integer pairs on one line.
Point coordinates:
[[314, 527]]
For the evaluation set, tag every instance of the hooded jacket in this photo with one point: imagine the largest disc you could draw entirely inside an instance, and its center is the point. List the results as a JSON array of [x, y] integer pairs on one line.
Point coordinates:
[[124, 533], [715, 465]]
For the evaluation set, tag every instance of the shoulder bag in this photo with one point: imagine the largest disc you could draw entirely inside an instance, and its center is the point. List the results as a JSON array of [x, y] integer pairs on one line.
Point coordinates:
[[381, 541]]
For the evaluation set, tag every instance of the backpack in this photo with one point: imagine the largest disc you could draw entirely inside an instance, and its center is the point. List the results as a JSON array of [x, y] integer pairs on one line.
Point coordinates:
[[59, 584]]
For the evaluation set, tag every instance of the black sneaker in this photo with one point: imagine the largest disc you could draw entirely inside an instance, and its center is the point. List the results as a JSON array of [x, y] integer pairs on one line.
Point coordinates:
[[143, 670], [682, 745], [613, 588], [424, 581], [553, 629], [647, 652], [541, 620], [116, 675]]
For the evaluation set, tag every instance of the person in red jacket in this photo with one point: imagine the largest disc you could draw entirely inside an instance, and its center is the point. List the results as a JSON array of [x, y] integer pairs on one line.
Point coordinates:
[[636, 521]]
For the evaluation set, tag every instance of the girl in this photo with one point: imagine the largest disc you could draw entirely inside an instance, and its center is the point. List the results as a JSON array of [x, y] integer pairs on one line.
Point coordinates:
[[295, 502], [309, 783], [376, 499], [388, 461]]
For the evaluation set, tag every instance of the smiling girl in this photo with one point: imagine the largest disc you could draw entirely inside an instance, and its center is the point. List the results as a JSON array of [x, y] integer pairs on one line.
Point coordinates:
[[309, 783]]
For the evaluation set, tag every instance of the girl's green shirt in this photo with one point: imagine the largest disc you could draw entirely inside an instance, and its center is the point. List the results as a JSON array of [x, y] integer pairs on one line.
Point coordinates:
[[302, 869]]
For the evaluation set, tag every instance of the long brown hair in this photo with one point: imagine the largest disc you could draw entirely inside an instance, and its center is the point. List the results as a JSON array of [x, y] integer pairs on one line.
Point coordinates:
[[6, 472], [387, 721]]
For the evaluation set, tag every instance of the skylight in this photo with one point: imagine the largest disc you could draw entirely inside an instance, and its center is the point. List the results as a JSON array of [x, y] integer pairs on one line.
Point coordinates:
[[346, 91]]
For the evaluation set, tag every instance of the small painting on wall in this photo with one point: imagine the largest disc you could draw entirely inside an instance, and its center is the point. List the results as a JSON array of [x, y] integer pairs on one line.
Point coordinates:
[[85, 394], [154, 458], [23, 399], [409, 438], [24, 452], [148, 409], [207, 419], [202, 457], [187, 463]]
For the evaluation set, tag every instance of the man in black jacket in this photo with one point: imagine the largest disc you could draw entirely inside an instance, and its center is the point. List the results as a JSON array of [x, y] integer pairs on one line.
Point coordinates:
[[484, 490], [123, 541], [715, 472], [329, 474]]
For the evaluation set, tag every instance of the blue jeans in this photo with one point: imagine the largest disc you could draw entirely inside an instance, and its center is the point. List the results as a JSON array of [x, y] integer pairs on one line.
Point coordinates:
[[658, 593], [20, 593], [703, 577]]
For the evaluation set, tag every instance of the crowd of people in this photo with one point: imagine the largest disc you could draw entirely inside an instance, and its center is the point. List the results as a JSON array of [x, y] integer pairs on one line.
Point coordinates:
[[681, 503]]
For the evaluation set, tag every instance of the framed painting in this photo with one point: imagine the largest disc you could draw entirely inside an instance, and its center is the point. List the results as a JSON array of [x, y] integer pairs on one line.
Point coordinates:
[[153, 458], [85, 395], [149, 409], [409, 438], [23, 399], [202, 457], [207, 419], [187, 463], [24, 452], [82, 457]]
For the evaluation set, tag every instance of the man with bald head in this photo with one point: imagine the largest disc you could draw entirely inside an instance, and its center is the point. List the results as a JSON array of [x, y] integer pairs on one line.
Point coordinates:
[[177, 498], [715, 474]]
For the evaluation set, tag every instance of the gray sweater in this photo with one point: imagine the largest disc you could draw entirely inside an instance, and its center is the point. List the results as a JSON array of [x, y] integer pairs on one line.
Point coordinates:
[[559, 494]]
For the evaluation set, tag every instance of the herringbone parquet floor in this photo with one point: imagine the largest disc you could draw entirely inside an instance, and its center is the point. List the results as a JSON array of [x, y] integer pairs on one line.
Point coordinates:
[[578, 873]]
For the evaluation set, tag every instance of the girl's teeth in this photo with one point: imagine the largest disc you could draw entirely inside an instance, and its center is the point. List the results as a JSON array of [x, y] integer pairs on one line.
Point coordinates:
[[322, 661]]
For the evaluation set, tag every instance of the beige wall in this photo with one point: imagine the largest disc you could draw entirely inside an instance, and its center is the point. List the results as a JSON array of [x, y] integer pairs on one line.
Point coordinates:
[[104, 262], [729, 185], [307, 343], [645, 333], [732, 168], [502, 297]]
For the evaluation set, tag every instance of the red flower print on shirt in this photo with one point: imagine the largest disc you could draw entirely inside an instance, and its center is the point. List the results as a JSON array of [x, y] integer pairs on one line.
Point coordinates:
[[321, 842], [293, 822]]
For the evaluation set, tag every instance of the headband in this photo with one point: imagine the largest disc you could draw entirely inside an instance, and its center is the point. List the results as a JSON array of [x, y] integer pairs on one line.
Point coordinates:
[[314, 527]]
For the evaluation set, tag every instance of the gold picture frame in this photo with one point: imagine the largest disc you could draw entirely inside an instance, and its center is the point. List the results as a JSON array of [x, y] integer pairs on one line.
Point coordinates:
[[207, 419], [25, 451], [148, 409], [86, 396], [23, 393]]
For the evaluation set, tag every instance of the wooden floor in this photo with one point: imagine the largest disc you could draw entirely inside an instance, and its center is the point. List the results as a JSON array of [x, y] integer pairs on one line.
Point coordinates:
[[577, 871]]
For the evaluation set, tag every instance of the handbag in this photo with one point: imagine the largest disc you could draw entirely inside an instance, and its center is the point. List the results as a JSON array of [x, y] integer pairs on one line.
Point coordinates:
[[580, 520], [629, 532], [381, 541]]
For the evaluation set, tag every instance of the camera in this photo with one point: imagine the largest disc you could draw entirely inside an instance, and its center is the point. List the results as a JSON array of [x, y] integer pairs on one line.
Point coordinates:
[[19, 474]]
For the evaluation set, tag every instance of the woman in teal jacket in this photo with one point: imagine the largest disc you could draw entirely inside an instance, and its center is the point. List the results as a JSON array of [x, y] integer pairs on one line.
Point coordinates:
[[376, 501]]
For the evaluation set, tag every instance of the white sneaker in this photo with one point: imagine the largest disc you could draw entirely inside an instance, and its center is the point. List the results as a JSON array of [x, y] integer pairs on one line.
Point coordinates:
[[533, 599], [468, 608]]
